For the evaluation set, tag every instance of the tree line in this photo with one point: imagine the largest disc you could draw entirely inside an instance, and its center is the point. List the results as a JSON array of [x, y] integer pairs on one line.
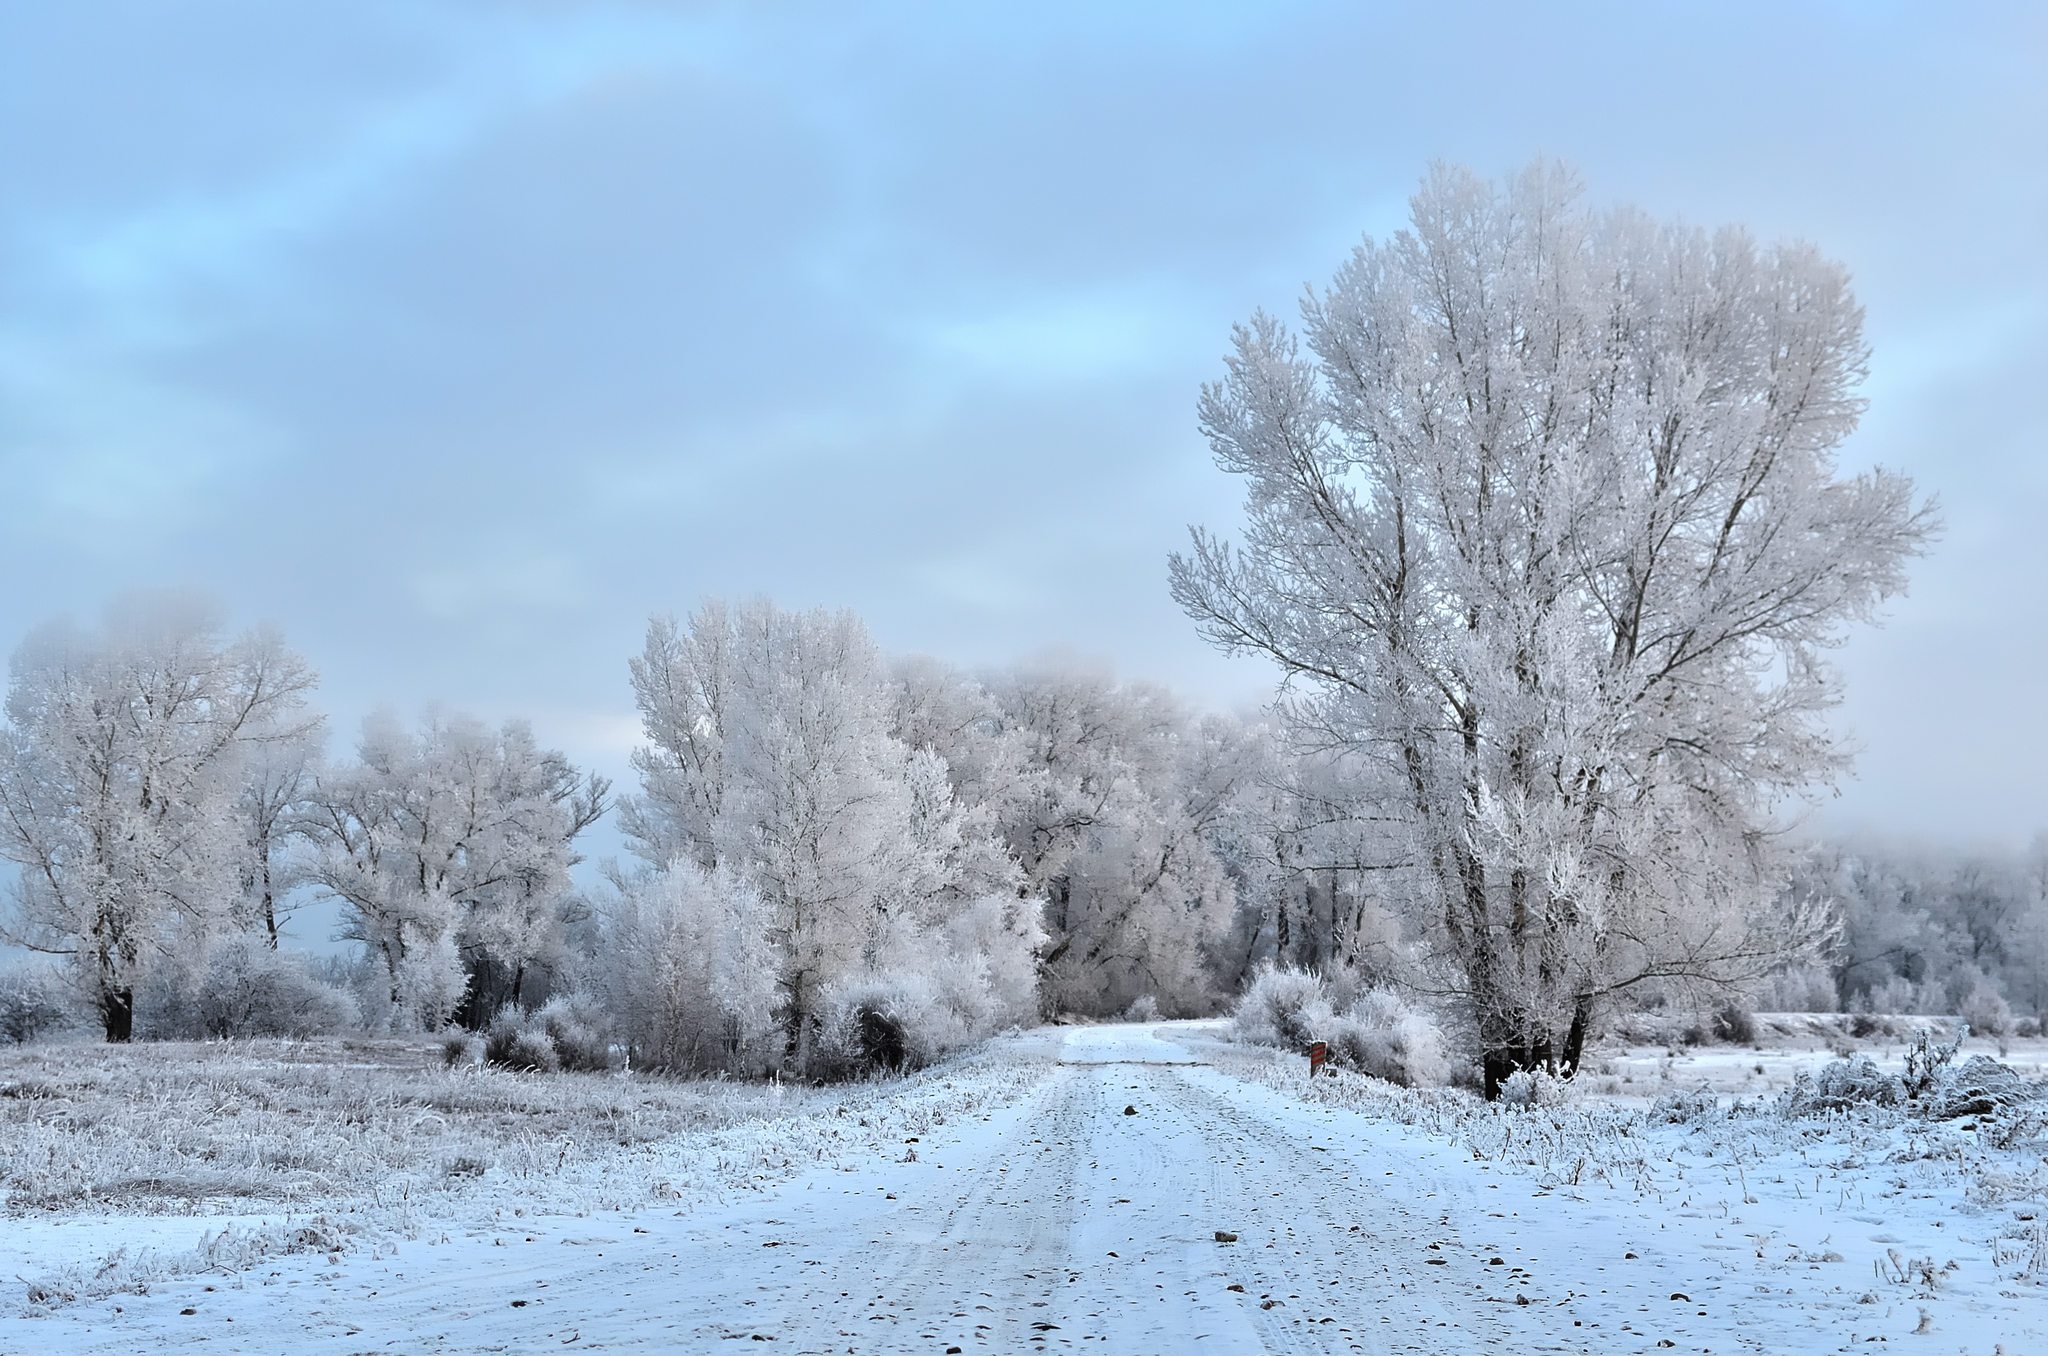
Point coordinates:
[[1544, 527], [819, 830]]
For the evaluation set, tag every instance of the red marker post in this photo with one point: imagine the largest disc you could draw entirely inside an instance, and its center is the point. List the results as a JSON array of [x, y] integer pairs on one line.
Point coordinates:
[[1318, 1055]]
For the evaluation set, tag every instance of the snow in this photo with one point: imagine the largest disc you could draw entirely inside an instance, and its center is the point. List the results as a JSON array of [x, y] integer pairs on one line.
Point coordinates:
[[1044, 1216]]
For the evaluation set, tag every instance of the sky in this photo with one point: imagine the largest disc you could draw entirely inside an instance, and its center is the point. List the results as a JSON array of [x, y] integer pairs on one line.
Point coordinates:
[[457, 339]]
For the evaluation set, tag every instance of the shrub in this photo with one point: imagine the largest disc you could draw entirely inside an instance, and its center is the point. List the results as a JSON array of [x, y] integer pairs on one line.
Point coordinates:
[[576, 1027], [31, 1004], [568, 1033], [1144, 1008], [1925, 1060], [1534, 1087], [1981, 1087], [1735, 1024], [880, 1037], [691, 982], [1988, 1014], [1838, 1086], [246, 989], [886, 1023], [516, 1041], [1284, 1006], [1381, 1036], [1377, 1035], [1803, 988], [1679, 1108]]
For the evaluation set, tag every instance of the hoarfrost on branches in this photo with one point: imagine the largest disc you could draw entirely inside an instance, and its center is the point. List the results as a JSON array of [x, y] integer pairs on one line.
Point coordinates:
[[1545, 528], [121, 771]]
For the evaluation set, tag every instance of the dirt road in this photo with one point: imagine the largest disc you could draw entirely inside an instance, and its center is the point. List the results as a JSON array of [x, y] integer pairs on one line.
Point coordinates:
[[1081, 1217], [1084, 1224]]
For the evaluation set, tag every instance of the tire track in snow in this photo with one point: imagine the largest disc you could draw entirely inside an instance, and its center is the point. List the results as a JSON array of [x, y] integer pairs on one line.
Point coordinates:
[[1057, 1223], [1086, 1228]]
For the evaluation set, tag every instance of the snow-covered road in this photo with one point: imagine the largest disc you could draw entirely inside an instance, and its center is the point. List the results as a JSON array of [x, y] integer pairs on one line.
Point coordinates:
[[1057, 1222], [1083, 1216], [1089, 1214]]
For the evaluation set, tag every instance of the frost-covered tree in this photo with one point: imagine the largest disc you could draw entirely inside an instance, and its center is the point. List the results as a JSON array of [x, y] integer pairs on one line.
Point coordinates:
[[450, 851], [1312, 881], [278, 774], [2026, 935], [688, 975], [1110, 801], [1545, 526], [121, 769], [771, 755]]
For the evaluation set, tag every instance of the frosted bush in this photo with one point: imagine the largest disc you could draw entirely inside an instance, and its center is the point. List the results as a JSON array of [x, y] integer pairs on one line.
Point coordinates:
[[516, 1040], [247, 990], [1804, 988], [1683, 1108], [577, 1028], [1144, 1008], [1002, 936], [1981, 1087], [1284, 1006], [1380, 1035], [691, 983], [946, 985], [1925, 1060], [32, 1004], [1895, 995], [1988, 1014], [1735, 1024], [888, 1022], [1535, 1087], [1839, 1086], [429, 984]]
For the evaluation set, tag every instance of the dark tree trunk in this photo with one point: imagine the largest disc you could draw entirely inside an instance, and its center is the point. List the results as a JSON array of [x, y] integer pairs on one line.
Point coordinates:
[[1499, 1064], [117, 1015], [1575, 1037]]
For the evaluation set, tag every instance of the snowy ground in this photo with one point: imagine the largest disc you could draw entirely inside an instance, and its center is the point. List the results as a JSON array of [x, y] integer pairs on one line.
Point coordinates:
[[1016, 1205]]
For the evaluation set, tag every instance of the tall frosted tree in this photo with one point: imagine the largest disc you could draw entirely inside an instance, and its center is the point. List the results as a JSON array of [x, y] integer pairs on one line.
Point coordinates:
[[121, 772], [1545, 525], [450, 849], [1122, 784], [770, 756]]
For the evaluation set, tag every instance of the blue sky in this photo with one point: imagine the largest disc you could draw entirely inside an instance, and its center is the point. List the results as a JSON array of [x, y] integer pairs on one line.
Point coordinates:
[[459, 338]]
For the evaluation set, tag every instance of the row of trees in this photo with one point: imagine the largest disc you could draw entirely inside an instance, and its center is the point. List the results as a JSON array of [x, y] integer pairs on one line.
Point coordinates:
[[821, 832], [162, 790], [1544, 528], [823, 835], [1942, 932]]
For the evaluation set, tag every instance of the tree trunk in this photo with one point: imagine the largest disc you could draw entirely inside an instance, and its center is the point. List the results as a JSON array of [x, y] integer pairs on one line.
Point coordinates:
[[269, 905], [1575, 1037], [117, 1015]]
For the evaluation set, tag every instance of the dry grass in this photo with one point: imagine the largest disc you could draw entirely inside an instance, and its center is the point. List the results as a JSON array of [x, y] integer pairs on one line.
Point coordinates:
[[375, 1137]]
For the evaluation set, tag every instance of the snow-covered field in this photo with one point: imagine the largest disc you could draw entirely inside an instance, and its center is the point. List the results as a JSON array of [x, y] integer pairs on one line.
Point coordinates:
[[1061, 1189]]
